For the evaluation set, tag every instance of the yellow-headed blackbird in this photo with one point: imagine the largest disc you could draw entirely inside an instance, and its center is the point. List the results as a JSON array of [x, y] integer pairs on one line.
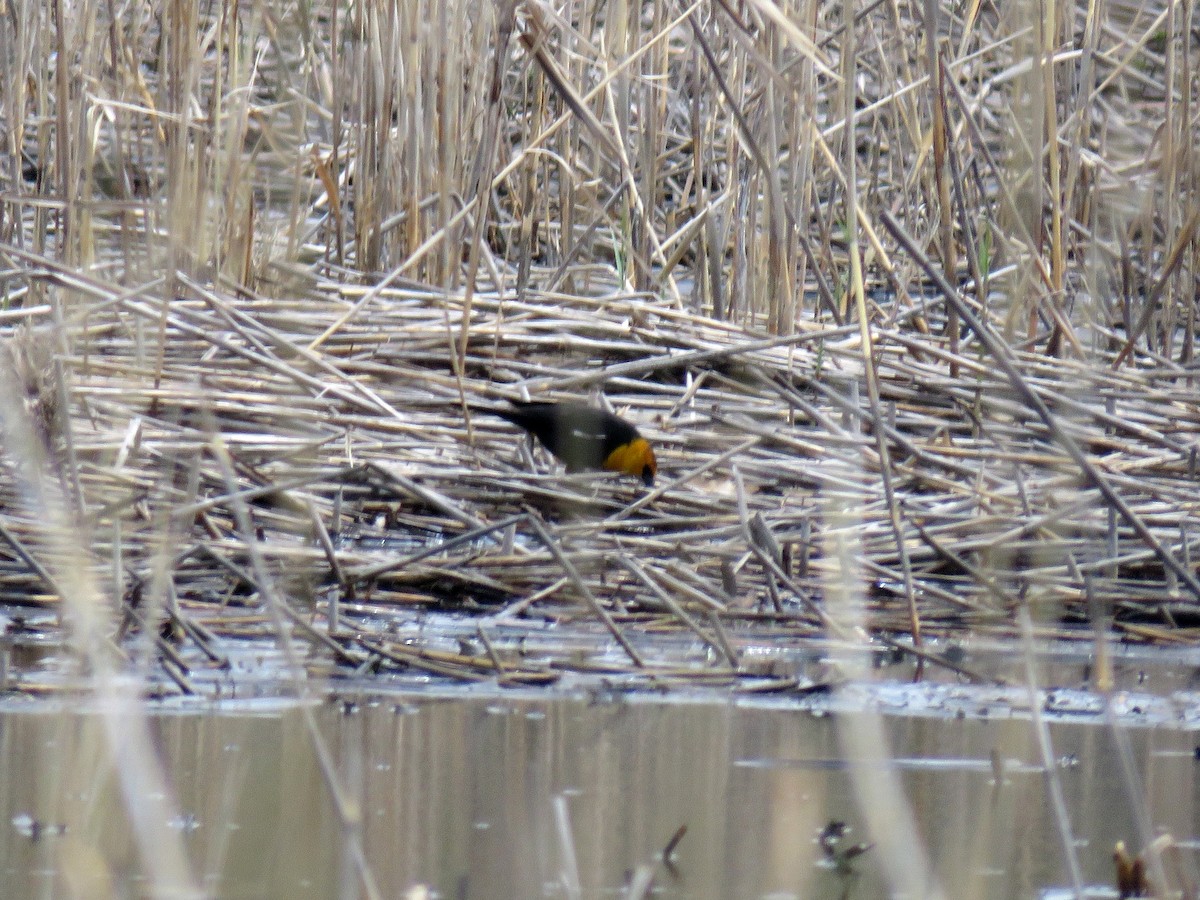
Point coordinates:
[[584, 437]]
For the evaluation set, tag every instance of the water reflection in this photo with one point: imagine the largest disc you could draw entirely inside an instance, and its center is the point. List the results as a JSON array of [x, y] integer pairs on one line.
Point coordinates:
[[498, 798]]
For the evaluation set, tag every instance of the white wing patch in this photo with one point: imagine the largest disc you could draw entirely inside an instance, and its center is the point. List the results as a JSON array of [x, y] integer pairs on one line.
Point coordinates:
[[590, 435]]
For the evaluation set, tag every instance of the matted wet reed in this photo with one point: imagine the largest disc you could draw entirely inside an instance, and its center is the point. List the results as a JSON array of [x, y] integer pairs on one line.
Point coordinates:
[[317, 459]]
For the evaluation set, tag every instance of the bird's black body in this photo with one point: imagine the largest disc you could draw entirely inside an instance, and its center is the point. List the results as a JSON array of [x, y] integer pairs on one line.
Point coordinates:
[[584, 437]]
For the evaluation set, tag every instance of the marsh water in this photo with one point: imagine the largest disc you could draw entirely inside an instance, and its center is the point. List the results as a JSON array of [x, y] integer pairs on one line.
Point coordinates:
[[517, 795]]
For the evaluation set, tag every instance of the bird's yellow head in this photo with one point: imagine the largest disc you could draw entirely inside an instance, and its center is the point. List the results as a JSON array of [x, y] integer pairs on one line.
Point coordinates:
[[635, 458]]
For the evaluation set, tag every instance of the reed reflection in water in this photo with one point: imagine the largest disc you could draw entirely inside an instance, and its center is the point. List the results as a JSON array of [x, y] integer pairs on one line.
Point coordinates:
[[499, 798]]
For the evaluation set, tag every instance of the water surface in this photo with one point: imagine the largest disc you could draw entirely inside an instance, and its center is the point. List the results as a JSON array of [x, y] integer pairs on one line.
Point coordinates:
[[521, 797]]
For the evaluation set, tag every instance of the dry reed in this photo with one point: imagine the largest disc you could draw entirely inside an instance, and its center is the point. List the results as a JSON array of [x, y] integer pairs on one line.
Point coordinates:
[[367, 217], [905, 298]]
